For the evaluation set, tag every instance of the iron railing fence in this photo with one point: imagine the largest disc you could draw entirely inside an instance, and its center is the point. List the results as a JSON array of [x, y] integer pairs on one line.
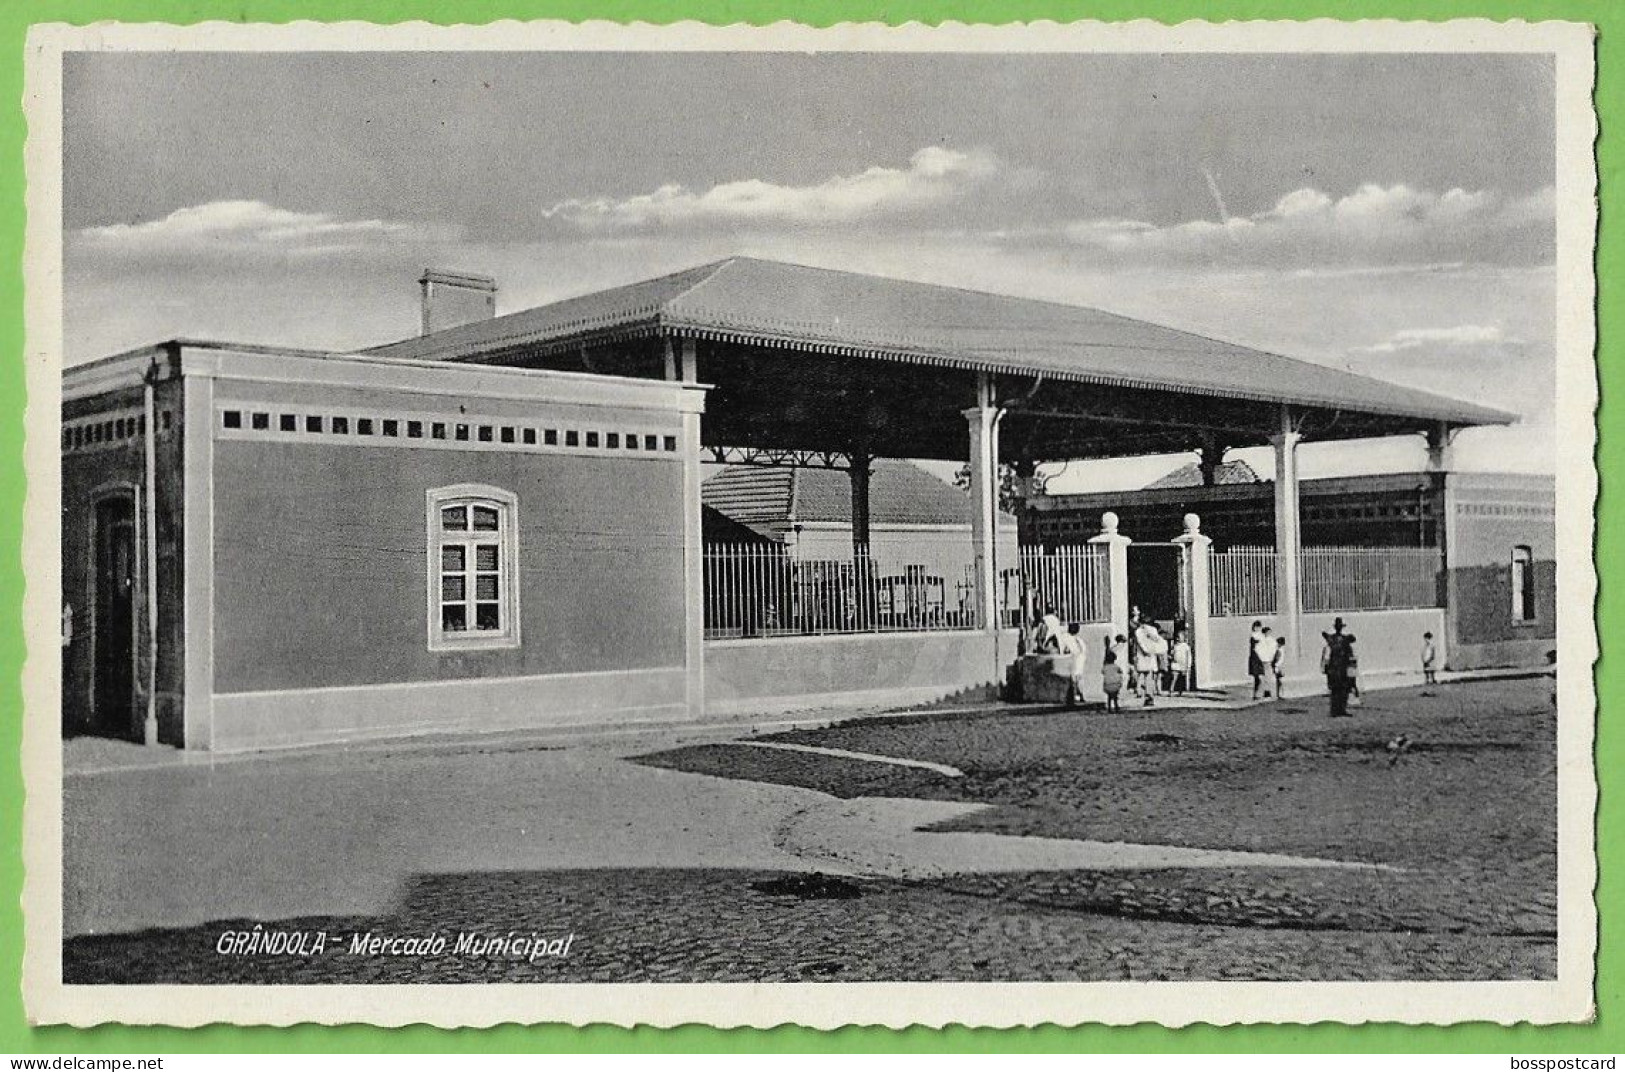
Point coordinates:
[[1369, 578], [1075, 580], [757, 590], [1241, 581], [754, 590]]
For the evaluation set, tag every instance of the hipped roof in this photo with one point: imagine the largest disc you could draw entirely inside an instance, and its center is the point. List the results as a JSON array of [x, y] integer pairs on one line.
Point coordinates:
[[773, 304]]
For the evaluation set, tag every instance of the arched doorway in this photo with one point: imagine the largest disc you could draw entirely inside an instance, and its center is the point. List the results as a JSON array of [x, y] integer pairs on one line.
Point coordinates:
[[112, 628]]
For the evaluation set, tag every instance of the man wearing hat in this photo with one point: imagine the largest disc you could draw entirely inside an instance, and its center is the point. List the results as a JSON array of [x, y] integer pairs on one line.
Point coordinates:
[[1335, 660]]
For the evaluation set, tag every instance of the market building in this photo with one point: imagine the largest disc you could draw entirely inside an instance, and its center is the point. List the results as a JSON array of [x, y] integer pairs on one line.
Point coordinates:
[[499, 522]]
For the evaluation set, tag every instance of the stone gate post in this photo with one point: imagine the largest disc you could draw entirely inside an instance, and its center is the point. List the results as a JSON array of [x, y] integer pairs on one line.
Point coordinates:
[[1197, 548], [1116, 546]]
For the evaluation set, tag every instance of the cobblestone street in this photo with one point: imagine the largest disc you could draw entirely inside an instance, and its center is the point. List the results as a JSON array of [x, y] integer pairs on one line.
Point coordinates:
[[680, 926]]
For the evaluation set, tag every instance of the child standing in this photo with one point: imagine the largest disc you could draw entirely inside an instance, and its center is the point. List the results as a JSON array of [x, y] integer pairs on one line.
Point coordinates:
[[1278, 668], [1147, 639], [1072, 647], [1255, 669], [1354, 673], [1180, 657], [1266, 648], [1430, 659], [1111, 680]]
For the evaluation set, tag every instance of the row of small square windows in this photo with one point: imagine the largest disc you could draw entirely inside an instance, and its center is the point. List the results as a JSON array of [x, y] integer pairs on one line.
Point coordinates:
[[1319, 513], [78, 436], [391, 428]]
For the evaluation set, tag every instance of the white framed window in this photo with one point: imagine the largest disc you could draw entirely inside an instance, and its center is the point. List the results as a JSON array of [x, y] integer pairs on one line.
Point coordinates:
[[1523, 584], [473, 538]]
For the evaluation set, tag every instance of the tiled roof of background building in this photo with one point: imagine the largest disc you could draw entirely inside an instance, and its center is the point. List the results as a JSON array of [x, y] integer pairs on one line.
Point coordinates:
[[1190, 476], [772, 500]]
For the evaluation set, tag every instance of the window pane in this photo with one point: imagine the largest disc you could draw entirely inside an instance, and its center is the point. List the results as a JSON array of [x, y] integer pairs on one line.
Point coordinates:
[[485, 556], [454, 519], [486, 616], [485, 586], [452, 560], [485, 519], [454, 619], [453, 589]]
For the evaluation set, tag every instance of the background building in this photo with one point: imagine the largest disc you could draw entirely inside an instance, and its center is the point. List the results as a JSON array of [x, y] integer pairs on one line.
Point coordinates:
[[1485, 543]]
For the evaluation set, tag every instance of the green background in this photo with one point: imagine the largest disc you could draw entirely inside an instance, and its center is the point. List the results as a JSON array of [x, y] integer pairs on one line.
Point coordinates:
[[1604, 1034]]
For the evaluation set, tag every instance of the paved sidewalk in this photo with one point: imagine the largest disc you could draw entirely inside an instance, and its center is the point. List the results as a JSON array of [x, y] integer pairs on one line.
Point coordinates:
[[100, 755], [285, 836]]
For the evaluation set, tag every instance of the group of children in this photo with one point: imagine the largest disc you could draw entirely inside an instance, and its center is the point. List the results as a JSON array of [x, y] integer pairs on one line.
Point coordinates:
[[1147, 660], [1266, 658], [1158, 662], [1150, 662]]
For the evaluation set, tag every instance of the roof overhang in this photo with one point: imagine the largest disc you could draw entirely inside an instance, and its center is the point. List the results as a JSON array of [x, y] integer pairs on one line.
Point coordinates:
[[814, 359]]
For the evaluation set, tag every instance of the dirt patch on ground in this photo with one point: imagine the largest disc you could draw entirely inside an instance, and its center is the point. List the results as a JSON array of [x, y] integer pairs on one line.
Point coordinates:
[[1452, 786], [835, 775]]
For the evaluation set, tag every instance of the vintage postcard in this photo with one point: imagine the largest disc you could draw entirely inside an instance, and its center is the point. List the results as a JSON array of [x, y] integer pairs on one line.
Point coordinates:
[[754, 525]]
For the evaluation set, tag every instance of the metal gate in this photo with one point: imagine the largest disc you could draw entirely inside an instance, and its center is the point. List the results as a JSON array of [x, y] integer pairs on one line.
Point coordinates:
[[1158, 581]]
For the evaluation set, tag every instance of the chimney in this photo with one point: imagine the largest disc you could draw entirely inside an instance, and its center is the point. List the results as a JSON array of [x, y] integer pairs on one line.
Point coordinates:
[[453, 298]]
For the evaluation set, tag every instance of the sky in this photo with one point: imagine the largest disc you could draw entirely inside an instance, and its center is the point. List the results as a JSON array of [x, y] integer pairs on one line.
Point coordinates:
[[1391, 215]]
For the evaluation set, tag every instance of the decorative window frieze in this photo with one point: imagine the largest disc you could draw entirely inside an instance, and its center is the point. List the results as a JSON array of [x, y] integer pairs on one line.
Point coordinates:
[[307, 424]]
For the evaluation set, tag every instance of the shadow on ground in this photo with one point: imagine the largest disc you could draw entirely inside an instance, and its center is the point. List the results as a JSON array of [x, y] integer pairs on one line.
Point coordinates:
[[1453, 787]]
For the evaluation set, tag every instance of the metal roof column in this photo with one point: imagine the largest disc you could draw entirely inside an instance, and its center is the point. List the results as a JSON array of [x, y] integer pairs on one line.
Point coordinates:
[[1439, 455], [983, 419], [693, 540], [863, 566], [1288, 538]]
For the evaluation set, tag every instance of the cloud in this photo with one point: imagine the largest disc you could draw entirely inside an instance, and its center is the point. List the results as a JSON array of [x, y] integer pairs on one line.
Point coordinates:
[[934, 176], [1459, 337], [1475, 359], [1375, 224], [243, 228]]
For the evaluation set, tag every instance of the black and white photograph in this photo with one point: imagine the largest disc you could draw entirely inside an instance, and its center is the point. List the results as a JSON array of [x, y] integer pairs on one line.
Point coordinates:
[[961, 524]]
